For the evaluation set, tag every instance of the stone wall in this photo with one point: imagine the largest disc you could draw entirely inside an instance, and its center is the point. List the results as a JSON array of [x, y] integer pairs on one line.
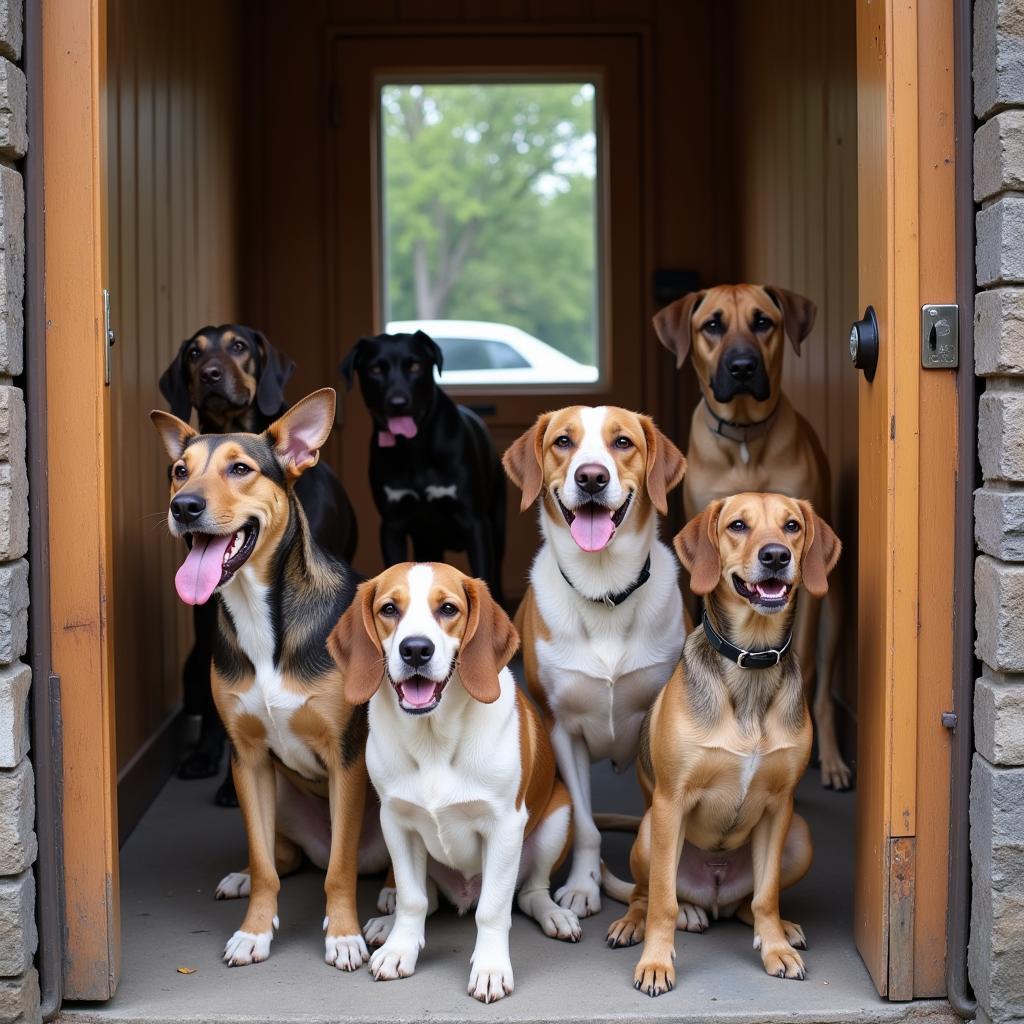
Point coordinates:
[[996, 956]]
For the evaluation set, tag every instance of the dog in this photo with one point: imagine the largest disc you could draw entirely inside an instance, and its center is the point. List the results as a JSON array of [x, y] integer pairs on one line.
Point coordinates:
[[727, 741], [745, 435], [235, 380], [602, 620], [435, 475], [296, 743], [470, 802]]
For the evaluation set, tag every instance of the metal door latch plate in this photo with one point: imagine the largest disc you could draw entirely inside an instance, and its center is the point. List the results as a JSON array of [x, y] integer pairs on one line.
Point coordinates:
[[940, 337]]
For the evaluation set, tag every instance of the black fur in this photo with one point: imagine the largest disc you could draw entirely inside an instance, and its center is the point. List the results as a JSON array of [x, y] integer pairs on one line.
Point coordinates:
[[353, 740]]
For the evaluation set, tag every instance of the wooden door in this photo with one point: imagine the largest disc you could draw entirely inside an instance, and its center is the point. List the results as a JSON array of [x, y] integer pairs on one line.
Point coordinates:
[[78, 431], [907, 474], [361, 63]]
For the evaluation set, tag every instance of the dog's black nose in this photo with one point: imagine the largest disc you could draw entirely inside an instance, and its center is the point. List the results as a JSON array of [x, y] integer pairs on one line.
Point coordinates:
[[416, 651], [396, 402], [774, 556], [592, 478], [187, 508], [742, 366], [211, 374]]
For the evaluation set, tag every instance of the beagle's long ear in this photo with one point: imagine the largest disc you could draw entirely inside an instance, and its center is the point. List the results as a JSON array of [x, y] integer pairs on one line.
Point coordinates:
[[821, 551], [356, 649], [697, 547], [798, 313], [524, 461], [666, 465], [672, 325], [303, 430], [174, 433], [488, 645], [174, 386], [277, 371]]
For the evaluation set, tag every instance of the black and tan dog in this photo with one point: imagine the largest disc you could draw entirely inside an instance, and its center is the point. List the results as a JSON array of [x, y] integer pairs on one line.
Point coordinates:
[[278, 691], [727, 741], [745, 435], [235, 380]]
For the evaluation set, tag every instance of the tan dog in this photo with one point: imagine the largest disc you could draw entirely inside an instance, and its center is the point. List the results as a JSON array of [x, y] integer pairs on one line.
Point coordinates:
[[728, 740], [746, 436], [602, 621]]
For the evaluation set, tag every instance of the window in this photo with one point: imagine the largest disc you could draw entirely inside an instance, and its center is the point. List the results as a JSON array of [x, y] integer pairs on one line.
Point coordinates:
[[490, 226]]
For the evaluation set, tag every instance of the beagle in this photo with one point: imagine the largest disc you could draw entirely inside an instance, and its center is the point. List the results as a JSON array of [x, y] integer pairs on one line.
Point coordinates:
[[470, 802], [602, 621], [727, 741], [298, 747]]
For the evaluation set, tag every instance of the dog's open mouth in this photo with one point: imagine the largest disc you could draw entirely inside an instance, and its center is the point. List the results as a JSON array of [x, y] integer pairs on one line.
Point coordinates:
[[593, 525], [770, 593], [417, 694], [212, 560]]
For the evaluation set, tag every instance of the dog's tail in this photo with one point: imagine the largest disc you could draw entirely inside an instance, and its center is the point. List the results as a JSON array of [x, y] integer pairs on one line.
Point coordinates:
[[618, 888], [618, 822]]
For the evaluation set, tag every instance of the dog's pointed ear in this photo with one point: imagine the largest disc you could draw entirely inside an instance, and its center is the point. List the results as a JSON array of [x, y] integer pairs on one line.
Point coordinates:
[[821, 551], [488, 644], [174, 433], [672, 325], [355, 647], [798, 313], [303, 430], [277, 370], [524, 461], [348, 366], [432, 347], [697, 547], [666, 465], [174, 386]]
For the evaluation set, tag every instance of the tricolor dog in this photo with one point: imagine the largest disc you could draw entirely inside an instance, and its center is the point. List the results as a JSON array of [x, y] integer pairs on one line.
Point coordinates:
[[470, 802], [602, 621], [299, 748], [727, 742]]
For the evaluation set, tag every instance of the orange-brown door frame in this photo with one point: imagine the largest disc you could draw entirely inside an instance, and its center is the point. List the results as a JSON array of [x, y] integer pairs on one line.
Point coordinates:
[[78, 408]]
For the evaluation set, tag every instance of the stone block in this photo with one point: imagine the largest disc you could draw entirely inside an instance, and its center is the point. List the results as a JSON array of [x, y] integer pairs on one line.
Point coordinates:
[[999, 155], [19, 999], [14, 735], [998, 64], [18, 937], [1001, 433], [13, 610], [17, 816], [998, 253], [13, 111], [999, 523], [999, 720], [999, 332]]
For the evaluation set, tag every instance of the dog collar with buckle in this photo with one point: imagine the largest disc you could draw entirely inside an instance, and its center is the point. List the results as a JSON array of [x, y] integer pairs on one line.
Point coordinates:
[[741, 433], [745, 659], [614, 600]]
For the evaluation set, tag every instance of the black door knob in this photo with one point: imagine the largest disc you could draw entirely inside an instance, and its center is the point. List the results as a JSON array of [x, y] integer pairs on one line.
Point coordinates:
[[864, 343]]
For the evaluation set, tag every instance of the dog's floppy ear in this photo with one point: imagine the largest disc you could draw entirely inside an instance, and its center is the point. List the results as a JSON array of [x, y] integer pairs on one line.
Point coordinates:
[[821, 551], [356, 649], [432, 347], [524, 461], [666, 465], [276, 372], [174, 433], [488, 645], [173, 385], [303, 430], [697, 547], [798, 313], [672, 325], [348, 366]]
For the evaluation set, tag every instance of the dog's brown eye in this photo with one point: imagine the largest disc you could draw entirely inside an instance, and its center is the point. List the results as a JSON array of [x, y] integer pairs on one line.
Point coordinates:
[[563, 441], [737, 526], [376, 371], [623, 443], [713, 326], [415, 367], [193, 355], [792, 526], [448, 610], [762, 323], [240, 469], [388, 610], [180, 471], [238, 346]]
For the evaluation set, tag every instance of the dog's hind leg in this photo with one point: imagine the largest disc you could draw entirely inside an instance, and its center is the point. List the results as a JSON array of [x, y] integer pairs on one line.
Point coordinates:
[[834, 770]]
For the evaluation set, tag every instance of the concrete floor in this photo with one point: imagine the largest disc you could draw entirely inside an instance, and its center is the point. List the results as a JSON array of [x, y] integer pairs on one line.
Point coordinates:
[[184, 844]]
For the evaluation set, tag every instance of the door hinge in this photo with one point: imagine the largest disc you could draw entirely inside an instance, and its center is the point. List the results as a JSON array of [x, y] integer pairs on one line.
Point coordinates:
[[108, 337], [940, 337], [949, 719]]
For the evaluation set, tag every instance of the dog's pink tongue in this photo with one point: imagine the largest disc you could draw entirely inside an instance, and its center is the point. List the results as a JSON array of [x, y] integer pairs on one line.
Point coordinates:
[[418, 691], [592, 528], [201, 571], [402, 426]]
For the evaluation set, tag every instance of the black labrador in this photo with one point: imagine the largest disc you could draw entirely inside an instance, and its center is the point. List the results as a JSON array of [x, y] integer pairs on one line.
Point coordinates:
[[435, 474], [235, 380]]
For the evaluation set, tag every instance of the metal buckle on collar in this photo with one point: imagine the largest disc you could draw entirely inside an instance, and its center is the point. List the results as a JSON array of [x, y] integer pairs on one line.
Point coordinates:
[[608, 602], [759, 654]]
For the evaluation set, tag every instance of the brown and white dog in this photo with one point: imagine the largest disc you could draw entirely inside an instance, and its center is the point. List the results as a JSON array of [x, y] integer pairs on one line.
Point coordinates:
[[299, 748], [470, 802], [602, 621], [745, 435], [727, 742]]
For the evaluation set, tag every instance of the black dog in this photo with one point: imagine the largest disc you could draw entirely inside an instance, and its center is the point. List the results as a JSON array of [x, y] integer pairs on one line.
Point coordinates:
[[436, 477], [235, 380]]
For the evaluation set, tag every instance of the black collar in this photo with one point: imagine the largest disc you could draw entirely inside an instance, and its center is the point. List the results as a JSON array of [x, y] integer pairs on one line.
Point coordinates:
[[745, 659], [614, 600], [741, 433]]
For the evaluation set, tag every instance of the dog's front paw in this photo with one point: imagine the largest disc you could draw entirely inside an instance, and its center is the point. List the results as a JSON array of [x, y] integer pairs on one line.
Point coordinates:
[[692, 918], [654, 976], [346, 952], [581, 894], [559, 923], [387, 899], [395, 959], [490, 982], [628, 930], [248, 947], [835, 773], [234, 886], [377, 929], [781, 960]]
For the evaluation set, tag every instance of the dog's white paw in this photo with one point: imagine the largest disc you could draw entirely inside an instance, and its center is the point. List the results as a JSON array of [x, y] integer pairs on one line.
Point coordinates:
[[377, 929], [247, 948], [395, 959], [581, 895], [346, 952], [387, 899], [692, 918], [490, 982], [234, 886], [559, 923]]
